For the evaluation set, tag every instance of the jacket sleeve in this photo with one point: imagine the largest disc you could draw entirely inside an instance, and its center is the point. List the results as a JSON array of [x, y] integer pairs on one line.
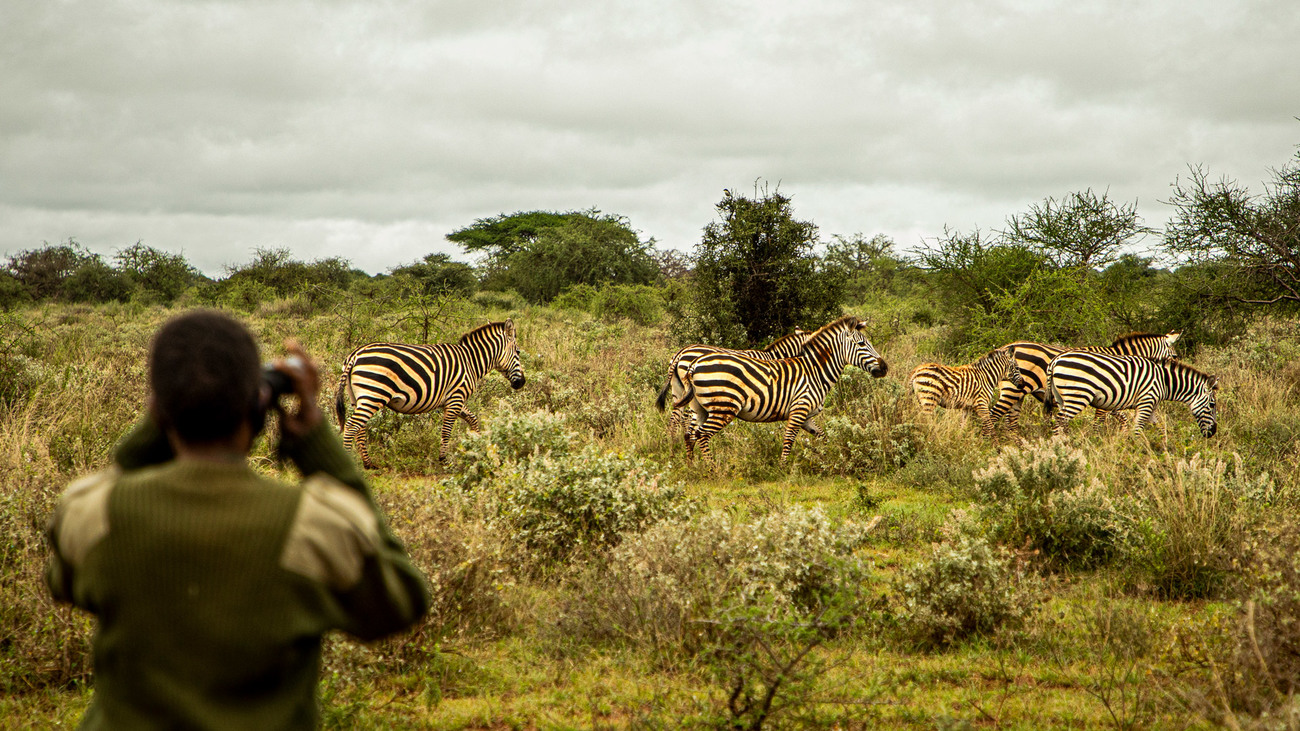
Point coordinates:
[[79, 522], [339, 538], [145, 445]]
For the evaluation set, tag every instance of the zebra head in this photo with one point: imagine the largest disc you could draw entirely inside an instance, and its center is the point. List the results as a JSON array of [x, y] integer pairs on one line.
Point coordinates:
[[1203, 403], [1011, 368], [508, 363], [864, 353]]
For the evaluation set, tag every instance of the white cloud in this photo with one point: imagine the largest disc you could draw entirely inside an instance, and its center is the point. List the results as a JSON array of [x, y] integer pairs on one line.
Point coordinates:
[[370, 130]]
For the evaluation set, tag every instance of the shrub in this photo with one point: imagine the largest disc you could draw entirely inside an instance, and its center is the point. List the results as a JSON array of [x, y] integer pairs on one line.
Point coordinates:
[[95, 281], [1039, 496], [673, 588], [1189, 526], [1264, 667], [964, 589], [161, 275], [875, 435], [504, 300], [508, 442], [557, 506]]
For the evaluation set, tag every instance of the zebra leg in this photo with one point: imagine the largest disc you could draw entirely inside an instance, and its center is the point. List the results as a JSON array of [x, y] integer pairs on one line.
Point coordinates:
[[812, 428], [471, 421], [453, 411], [1065, 411], [1013, 403], [988, 426], [1145, 410], [712, 425], [799, 416], [354, 429]]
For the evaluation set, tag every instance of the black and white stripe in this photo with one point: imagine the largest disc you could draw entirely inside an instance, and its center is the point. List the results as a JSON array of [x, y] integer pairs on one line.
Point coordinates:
[[414, 379], [1112, 382], [1033, 359], [975, 387], [785, 346], [724, 386]]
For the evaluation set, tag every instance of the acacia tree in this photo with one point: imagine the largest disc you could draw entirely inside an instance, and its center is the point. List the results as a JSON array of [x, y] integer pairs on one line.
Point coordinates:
[[541, 253], [757, 275], [1251, 241], [1082, 231]]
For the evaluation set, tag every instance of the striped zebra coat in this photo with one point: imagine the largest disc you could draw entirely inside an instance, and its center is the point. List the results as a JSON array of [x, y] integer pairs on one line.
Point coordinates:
[[975, 387], [415, 379], [1111, 382], [785, 346], [724, 386], [1033, 359]]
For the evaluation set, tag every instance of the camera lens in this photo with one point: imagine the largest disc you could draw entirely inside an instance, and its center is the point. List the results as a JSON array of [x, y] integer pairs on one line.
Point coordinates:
[[278, 380]]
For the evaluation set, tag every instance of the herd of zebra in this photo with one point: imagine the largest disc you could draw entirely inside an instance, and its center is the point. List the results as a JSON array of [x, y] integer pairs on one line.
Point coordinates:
[[789, 380]]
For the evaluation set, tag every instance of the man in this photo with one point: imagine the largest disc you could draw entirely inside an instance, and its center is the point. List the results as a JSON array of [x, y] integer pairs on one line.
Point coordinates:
[[212, 584]]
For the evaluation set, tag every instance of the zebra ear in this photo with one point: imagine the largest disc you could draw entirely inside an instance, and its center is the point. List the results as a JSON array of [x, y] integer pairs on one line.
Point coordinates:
[[510, 326], [1172, 337], [1214, 383]]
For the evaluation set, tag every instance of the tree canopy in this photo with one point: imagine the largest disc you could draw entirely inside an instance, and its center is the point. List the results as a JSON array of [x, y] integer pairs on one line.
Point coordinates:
[[757, 275], [542, 253]]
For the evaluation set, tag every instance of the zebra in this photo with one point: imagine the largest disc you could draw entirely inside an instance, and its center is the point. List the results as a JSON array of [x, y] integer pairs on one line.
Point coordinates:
[[414, 379], [1077, 379], [785, 346], [723, 386], [975, 387], [1033, 359]]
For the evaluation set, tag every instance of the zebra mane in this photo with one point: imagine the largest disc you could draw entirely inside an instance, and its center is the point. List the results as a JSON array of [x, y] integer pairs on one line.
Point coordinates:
[[989, 357], [1133, 336], [788, 336], [826, 332], [848, 321], [1181, 367], [481, 329]]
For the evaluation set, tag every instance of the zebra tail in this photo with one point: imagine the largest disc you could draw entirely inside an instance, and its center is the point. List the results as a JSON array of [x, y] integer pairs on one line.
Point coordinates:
[[686, 397], [340, 408], [1052, 396], [662, 400]]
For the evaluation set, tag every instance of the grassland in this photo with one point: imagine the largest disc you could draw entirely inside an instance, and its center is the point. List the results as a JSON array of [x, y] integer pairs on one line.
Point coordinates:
[[1140, 639]]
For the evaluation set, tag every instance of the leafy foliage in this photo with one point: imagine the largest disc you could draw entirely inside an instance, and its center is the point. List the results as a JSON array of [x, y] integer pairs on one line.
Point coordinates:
[[540, 254], [965, 589], [757, 276], [163, 276], [1040, 497], [1255, 237], [437, 274]]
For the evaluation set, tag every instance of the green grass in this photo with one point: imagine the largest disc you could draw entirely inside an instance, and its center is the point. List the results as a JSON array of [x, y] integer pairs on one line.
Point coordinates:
[[1097, 654]]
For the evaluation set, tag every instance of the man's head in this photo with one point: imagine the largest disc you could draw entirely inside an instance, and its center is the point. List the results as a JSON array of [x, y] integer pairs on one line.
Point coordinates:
[[205, 377]]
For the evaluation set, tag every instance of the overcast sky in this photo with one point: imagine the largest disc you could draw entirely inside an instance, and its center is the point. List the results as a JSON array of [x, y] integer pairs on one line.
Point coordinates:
[[370, 130]]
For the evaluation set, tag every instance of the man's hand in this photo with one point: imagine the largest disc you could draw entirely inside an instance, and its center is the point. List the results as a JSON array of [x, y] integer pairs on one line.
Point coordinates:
[[302, 371]]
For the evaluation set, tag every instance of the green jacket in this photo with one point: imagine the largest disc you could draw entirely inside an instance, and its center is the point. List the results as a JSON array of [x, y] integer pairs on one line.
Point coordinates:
[[213, 585]]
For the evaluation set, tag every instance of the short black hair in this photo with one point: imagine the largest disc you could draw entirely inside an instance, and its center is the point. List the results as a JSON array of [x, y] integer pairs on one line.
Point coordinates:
[[205, 374]]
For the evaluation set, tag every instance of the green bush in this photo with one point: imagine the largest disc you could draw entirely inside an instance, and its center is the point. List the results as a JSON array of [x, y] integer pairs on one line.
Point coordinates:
[[1039, 496], [872, 434], [1263, 673], [508, 443], [639, 303], [963, 590], [1190, 525], [673, 588], [559, 506], [95, 281]]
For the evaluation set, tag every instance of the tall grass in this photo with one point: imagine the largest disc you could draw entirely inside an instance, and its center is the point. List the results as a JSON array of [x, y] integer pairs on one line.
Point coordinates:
[[74, 382]]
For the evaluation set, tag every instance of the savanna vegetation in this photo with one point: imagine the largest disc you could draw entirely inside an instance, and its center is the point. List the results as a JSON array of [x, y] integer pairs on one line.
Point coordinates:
[[900, 573]]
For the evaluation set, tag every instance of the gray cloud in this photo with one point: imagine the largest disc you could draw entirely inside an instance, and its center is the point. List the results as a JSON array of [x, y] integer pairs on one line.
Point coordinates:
[[370, 130]]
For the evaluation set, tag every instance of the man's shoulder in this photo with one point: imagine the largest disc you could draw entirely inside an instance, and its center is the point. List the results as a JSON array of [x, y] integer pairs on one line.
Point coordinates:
[[81, 519], [333, 531]]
